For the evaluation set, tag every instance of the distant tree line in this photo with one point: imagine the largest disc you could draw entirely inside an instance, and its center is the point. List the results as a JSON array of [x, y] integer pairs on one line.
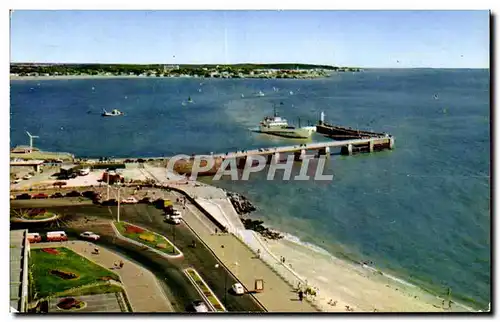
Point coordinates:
[[150, 69]]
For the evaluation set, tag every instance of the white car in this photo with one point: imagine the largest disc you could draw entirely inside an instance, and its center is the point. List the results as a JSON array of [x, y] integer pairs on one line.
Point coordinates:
[[200, 306], [130, 200], [89, 235], [28, 176], [238, 289], [17, 180], [173, 219]]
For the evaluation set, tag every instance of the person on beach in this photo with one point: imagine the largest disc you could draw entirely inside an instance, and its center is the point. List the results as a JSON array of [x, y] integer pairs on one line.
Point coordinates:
[[121, 264], [96, 250], [301, 295]]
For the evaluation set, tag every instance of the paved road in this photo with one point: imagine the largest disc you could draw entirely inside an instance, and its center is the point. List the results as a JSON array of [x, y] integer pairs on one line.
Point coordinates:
[[176, 285]]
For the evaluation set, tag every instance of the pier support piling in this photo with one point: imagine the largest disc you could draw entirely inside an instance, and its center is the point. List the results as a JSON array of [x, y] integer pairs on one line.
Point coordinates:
[[275, 157], [325, 151], [371, 146], [391, 143], [299, 155], [241, 162], [349, 149]]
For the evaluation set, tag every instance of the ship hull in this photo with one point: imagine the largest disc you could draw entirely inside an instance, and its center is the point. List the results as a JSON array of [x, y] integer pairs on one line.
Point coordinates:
[[288, 133]]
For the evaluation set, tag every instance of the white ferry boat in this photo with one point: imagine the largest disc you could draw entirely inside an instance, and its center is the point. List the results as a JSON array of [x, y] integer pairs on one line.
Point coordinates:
[[276, 125]]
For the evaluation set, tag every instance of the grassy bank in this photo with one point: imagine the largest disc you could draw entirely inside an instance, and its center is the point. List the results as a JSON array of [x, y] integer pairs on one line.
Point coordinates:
[[46, 282]]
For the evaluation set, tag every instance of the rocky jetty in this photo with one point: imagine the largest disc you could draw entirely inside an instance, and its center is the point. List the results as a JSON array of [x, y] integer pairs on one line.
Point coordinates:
[[241, 204], [256, 225]]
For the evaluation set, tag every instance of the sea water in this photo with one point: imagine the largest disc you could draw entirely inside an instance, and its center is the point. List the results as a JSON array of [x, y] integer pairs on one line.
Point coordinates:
[[420, 212]]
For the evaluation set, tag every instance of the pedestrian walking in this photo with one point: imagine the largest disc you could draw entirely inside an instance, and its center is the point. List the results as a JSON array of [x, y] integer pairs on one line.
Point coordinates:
[[301, 295]]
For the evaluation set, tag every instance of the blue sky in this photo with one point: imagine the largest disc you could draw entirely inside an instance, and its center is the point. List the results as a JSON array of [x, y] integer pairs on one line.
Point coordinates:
[[439, 39]]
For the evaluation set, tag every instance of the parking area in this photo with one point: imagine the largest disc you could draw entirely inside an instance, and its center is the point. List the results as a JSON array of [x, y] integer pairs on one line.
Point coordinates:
[[98, 303]]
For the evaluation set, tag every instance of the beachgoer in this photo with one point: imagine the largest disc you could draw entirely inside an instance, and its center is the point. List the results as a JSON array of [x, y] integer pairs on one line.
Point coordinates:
[[121, 264], [96, 250], [216, 231], [301, 295]]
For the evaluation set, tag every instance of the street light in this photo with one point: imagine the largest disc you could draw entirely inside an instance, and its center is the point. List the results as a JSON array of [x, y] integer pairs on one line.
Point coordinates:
[[225, 283], [118, 211], [118, 197]]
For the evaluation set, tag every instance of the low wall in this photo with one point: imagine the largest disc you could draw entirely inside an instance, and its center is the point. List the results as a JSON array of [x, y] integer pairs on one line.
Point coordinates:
[[200, 208]]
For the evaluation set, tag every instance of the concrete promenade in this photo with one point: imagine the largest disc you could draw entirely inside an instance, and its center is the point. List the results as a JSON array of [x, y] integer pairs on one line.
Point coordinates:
[[142, 288], [278, 296]]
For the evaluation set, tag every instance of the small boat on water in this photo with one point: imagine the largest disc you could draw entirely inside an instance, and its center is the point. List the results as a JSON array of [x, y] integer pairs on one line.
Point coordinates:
[[260, 93], [190, 100], [242, 96], [114, 112]]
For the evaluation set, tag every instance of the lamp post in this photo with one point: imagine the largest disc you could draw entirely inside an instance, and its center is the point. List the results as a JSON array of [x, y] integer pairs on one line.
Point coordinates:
[[118, 211], [225, 283]]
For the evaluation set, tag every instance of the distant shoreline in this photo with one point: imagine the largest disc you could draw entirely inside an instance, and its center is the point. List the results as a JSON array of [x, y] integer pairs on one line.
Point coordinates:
[[63, 77], [67, 77]]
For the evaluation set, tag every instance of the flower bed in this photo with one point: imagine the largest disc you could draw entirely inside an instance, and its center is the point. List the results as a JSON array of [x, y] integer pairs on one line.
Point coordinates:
[[63, 274], [146, 237], [52, 251], [206, 290], [70, 303]]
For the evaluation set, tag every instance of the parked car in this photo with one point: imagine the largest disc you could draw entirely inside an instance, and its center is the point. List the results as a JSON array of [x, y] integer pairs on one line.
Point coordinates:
[[89, 236], [130, 200], [199, 306], [57, 195], [40, 196], [34, 237], [84, 172], [172, 219], [145, 200], [24, 196], [73, 194], [90, 194], [56, 236], [17, 180], [238, 289], [27, 177], [110, 202]]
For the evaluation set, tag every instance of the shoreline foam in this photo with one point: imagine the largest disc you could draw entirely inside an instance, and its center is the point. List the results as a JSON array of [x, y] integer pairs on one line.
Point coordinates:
[[397, 283]]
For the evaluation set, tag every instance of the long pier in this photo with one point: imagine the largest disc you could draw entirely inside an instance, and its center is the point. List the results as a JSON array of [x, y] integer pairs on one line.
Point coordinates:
[[348, 147]]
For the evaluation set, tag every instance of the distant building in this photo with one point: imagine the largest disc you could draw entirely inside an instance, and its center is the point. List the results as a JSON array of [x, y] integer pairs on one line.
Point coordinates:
[[23, 149], [35, 164], [167, 68]]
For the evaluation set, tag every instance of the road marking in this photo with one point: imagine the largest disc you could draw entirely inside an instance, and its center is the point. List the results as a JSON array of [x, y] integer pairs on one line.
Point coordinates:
[[147, 213]]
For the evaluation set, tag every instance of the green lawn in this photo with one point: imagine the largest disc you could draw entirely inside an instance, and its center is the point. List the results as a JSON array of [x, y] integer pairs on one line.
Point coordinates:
[[46, 284], [147, 238]]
